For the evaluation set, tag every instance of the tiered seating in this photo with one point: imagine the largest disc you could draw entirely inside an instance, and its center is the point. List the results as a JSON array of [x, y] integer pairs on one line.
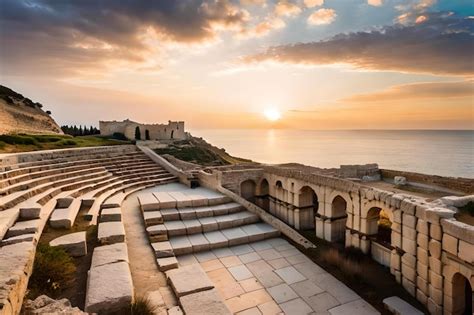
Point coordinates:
[[53, 185], [180, 223]]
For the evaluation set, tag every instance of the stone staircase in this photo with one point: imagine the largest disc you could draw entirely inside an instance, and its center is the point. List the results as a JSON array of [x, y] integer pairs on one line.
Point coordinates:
[[180, 223], [49, 187]]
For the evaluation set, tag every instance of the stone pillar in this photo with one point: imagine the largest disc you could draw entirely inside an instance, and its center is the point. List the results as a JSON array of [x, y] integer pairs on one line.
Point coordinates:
[[297, 219]]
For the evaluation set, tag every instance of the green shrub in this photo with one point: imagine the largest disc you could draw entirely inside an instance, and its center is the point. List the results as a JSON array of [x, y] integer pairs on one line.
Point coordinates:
[[142, 306], [119, 136], [44, 139], [53, 271]]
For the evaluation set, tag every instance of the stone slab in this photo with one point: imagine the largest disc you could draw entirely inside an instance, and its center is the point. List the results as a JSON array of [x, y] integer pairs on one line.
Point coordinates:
[[182, 201], [282, 293], [109, 254], [18, 239], [111, 233], [235, 236], [152, 218], [399, 307], [167, 263], [23, 227], [181, 245], [111, 215], [165, 200], [189, 279], [216, 239], [290, 275], [206, 302], [64, 218], [170, 214], [163, 249], [175, 228], [296, 306], [74, 243], [357, 307], [109, 288], [148, 202], [199, 242], [198, 200], [30, 211]]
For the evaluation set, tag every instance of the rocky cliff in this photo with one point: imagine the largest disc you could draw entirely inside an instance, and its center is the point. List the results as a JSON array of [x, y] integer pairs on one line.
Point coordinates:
[[19, 114]]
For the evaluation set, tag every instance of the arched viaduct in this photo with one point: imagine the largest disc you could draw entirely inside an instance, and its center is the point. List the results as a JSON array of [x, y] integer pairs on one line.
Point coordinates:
[[427, 250]]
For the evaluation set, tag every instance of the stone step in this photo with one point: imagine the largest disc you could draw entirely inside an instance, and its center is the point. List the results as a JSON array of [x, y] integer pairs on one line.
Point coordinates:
[[399, 307], [186, 244], [111, 233], [74, 243], [64, 218], [193, 226], [24, 227], [200, 212], [111, 215]]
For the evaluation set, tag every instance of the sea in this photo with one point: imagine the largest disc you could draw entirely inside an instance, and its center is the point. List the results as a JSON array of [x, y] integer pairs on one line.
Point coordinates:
[[436, 152]]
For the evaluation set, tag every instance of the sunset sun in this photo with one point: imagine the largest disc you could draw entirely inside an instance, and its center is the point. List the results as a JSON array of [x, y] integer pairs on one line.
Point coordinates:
[[272, 114]]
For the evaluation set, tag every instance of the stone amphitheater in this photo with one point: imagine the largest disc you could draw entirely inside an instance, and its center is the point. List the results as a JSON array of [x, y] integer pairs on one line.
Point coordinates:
[[223, 240]]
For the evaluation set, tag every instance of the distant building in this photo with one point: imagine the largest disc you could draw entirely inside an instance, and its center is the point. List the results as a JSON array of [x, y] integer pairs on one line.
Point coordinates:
[[172, 130]]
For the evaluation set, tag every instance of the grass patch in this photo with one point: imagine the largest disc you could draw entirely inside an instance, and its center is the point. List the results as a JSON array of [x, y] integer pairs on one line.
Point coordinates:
[[24, 142], [192, 154], [53, 271], [142, 306]]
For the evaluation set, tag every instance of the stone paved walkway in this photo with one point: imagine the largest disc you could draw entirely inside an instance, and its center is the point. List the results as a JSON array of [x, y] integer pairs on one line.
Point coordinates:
[[273, 277], [145, 274]]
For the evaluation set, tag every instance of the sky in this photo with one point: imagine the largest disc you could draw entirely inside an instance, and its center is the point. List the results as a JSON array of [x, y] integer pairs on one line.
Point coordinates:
[[319, 64]]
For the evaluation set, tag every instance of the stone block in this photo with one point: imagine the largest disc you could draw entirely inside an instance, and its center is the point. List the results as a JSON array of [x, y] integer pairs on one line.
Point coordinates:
[[75, 243], [235, 236], [165, 200], [421, 297], [409, 286], [422, 227], [436, 232], [152, 218], [409, 233], [30, 211], [19, 239], [409, 260], [62, 203], [436, 280], [182, 200], [162, 249], [422, 270], [187, 213], [188, 279], [397, 217], [109, 254], [422, 255], [216, 239], [434, 308], [409, 221], [167, 263], [422, 284], [409, 245], [170, 214], [434, 215], [460, 230], [396, 239], [111, 232], [111, 215], [397, 227], [23, 227], [450, 244], [148, 202], [399, 307], [423, 241], [175, 228], [408, 272], [109, 288], [466, 251], [192, 226], [181, 245], [436, 294], [395, 261], [435, 265], [206, 302], [199, 242], [198, 200], [435, 248], [157, 233]]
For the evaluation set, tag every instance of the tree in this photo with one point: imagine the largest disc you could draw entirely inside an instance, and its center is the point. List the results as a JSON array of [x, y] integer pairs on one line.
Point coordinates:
[[138, 135], [147, 134]]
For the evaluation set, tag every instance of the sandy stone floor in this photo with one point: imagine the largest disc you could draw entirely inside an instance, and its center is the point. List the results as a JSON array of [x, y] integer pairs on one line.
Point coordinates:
[[273, 277]]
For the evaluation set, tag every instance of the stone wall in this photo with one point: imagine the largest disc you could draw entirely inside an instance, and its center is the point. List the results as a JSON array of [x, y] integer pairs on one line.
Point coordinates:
[[464, 185], [429, 253], [172, 130]]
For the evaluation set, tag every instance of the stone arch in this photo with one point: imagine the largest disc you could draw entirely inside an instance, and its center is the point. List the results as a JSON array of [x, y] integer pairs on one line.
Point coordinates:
[[379, 226], [461, 294], [172, 134], [308, 206], [247, 189], [338, 207], [338, 218], [263, 193]]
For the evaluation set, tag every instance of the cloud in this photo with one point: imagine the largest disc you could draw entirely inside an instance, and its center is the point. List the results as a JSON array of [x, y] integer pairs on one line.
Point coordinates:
[[412, 10], [414, 91], [441, 45], [70, 36], [263, 28], [322, 17], [286, 8], [375, 3], [313, 3]]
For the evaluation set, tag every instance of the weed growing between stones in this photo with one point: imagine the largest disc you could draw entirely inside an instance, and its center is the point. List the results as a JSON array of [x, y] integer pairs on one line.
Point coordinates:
[[142, 306], [53, 271]]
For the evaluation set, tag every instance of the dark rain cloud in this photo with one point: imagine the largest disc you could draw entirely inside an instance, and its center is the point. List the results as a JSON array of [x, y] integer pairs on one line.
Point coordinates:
[[441, 44]]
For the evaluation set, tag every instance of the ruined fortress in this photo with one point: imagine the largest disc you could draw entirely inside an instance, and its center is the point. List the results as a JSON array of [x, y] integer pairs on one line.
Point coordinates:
[[233, 242], [172, 130]]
